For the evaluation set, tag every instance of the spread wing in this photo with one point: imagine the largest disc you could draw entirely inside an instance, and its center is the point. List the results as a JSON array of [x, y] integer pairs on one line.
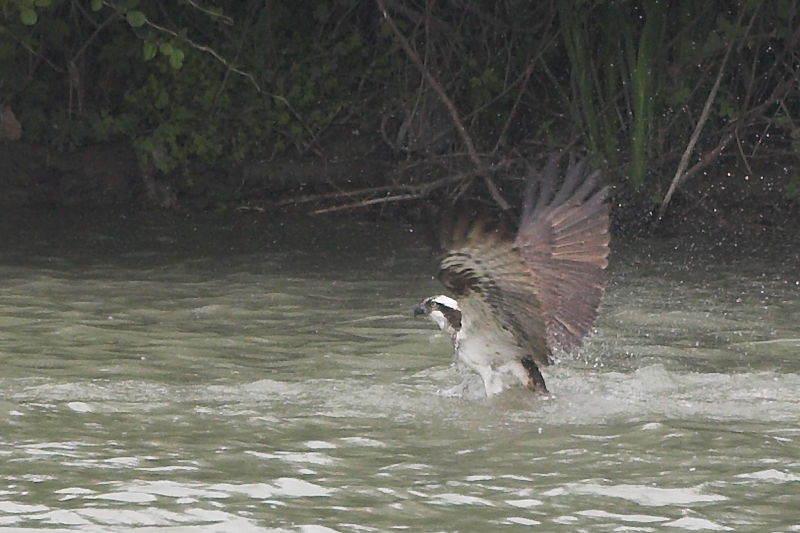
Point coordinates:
[[544, 287], [563, 237], [489, 275]]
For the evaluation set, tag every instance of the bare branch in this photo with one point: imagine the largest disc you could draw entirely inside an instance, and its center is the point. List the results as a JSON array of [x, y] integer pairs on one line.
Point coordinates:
[[229, 65], [393, 193], [524, 77], [365, 203], [196, 46], [211, 13], [680, 177], [462, 132]]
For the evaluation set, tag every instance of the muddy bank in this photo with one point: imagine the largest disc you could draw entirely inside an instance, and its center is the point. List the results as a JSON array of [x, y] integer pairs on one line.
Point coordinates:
[[105, 175], [36, 176], [728, 200]]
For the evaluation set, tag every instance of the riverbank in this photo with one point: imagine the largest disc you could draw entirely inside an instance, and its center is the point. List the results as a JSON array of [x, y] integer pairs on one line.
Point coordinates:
[[729, 200]]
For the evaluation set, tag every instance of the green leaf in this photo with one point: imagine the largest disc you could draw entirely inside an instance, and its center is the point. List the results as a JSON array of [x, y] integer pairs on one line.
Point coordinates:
[[150, 50], [726, 109], [176, 61], [166, 49], [136, 18], [97, 5], [27, 16]]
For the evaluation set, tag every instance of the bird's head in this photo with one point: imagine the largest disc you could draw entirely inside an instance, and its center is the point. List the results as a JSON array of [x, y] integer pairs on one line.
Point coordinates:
[[443, 310]]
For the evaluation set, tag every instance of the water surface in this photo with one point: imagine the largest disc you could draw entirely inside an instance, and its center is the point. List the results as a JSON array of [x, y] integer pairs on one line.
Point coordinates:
[[230, 373]]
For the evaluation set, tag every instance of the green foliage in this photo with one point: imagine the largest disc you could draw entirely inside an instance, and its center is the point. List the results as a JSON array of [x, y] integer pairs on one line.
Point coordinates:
[[621, 69], [135, 18], [179, 117], [641, 60], [177, 99], [150, 50], [27, 10], [215, 84], [641, 71]]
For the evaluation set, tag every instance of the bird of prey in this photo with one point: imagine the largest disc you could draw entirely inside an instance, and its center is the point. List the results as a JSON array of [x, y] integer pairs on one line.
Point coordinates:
[[520, 298]]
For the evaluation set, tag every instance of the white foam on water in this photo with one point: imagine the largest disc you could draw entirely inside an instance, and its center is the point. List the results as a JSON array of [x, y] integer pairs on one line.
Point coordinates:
[[315, 529], [596, 513], [565, 519], [314, 458], [363, 441], [298, 488], [646, 495], [62, 517], [319, 445], [128, 461], [127, 497], [283, 487], [771, 475], [522, 521], [459, 499], [697, 524], [80, 407], [173, 489], [169, 468], [479, 477], [127, 517], [524, 504], [20, 508]]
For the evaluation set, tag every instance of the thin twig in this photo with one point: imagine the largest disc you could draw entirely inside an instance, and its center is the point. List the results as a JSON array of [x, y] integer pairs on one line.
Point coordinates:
[[542, 48], [225, 78], [708, 158], [741, 153], [211, 13], [231, 68], [680, 177], [199, 47], [525, 77], [406, 191], [365, 203], [99, 27], [743, 123], [462, 132]]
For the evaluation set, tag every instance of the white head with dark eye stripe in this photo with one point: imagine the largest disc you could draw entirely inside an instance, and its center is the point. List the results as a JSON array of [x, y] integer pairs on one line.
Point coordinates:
[[443, 310]]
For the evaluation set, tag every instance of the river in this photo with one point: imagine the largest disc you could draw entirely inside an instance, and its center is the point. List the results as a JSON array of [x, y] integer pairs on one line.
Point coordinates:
[[231, 373]]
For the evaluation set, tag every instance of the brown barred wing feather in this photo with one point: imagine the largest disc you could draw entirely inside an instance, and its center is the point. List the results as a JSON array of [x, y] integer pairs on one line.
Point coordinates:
[[564, 239], [486, 267]]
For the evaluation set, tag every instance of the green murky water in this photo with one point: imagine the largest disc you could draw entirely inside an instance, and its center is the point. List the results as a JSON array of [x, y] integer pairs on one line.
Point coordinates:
[[231, 374]]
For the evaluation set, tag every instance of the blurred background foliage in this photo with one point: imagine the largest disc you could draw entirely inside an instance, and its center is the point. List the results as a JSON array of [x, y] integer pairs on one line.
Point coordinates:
[[217, 82]]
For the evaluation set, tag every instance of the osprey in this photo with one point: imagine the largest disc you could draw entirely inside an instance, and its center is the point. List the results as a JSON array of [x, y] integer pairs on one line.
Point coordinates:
[[520, 298]]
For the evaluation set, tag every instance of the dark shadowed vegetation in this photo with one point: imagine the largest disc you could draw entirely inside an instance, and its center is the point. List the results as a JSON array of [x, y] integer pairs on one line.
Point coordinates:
[[334, 104]]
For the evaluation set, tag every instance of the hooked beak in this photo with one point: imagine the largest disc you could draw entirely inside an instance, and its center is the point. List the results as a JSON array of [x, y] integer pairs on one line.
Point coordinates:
[[419, 310]]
